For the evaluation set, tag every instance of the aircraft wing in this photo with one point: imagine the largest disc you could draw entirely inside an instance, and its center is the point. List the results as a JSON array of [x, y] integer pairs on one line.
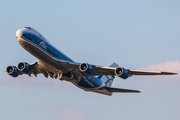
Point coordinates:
[[74, 67], [139, 72]]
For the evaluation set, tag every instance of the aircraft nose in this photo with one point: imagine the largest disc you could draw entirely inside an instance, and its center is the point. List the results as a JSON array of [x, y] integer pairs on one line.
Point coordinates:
[[19, 33]]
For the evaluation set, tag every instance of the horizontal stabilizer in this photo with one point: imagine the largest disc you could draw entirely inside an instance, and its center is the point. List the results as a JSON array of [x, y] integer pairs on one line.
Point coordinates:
[[121, 90], [138, 72]]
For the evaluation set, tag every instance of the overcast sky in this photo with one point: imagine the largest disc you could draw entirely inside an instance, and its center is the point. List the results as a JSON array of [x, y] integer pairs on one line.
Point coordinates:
[[134, 34]]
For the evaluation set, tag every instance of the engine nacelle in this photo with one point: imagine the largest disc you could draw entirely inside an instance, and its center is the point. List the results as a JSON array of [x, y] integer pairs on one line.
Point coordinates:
[[86, 68], [12, 70], [122, 72], [24, 67]]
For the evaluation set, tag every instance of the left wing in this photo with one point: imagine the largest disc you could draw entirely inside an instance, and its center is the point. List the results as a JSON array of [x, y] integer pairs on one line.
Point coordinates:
[[97, 70]]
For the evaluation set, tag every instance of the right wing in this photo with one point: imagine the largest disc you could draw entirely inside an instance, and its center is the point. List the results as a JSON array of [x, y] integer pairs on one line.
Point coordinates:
[[74, 67]]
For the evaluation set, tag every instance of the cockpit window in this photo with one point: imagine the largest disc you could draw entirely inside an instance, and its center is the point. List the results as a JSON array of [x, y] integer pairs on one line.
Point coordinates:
[[28, 28]]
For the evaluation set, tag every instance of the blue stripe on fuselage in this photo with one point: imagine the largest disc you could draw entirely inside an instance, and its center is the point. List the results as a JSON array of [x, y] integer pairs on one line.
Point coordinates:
[[45, 46], [89, 82]]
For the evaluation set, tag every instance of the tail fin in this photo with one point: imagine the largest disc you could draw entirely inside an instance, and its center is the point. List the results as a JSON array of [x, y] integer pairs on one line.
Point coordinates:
[[108, 79]]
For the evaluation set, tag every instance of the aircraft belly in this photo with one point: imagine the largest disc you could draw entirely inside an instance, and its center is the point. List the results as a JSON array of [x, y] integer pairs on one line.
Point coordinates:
[[38, 53], [42, 56]]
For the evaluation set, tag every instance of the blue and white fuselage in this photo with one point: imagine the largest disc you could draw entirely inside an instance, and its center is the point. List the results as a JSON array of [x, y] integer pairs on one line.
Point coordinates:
[[55, 64], [38, 46]]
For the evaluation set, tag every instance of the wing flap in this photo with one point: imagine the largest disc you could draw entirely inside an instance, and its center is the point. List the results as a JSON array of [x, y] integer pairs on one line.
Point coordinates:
[[122, 90]]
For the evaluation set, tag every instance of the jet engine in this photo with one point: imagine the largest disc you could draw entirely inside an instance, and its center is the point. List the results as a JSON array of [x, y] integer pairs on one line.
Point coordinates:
[[24, 67], [86, 68], [12, 70], [122, 72]]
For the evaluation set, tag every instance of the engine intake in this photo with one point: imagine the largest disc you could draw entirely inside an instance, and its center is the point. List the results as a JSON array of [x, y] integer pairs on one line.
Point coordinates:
[[86, 68], [122, 72], [12, 70], [24, 67]]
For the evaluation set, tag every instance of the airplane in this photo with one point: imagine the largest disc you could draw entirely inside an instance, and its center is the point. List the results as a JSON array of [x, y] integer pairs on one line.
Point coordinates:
[[57, 65]]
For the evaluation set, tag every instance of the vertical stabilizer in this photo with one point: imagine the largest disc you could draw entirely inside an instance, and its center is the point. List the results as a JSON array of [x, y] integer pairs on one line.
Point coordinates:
[[108, 79]]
